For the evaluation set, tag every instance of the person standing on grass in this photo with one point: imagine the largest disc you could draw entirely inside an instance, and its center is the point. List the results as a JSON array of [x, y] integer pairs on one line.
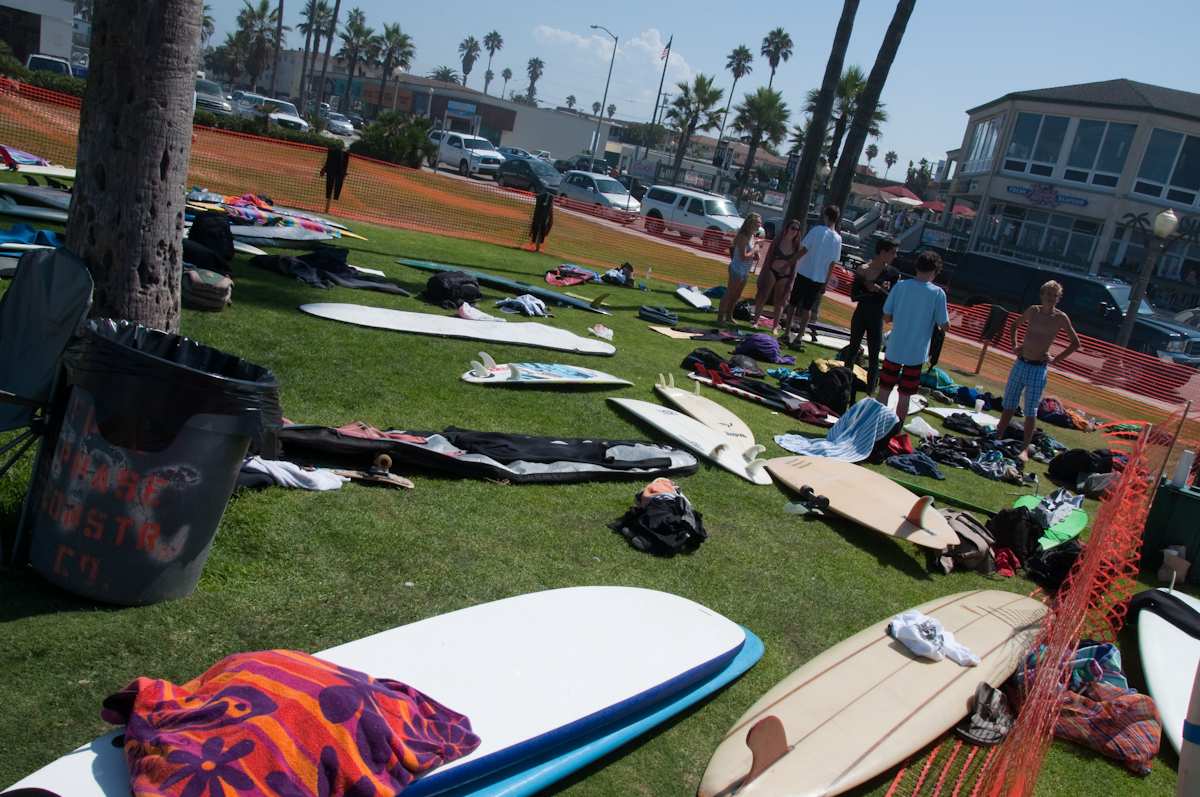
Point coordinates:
[[1028, 373], [914, 306], [776, 274], [873, 283], [742, 256], [820, 250]]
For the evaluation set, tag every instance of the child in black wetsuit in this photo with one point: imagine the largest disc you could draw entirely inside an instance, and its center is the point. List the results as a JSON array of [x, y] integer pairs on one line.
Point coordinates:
[[872, 282]]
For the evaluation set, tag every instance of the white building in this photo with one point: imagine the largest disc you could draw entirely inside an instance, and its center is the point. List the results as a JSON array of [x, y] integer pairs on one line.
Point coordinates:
[[37, 26]]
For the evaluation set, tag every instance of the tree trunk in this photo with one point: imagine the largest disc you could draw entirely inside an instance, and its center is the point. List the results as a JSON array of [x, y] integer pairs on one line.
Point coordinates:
[[387, 67], [835, 144], [135, 138], [685, 138], [349, 83], [278, 45], [487, 81], [304, 71], [728, 105], [806, 170], [337, 7], [750, 154], [868, 101]]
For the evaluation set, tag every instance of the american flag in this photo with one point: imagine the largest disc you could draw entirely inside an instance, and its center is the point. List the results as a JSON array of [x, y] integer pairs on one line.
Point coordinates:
[[666, 50]]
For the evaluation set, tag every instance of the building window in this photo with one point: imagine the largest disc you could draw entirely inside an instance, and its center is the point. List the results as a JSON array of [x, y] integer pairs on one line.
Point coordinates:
[[1036, 143], [983, 146], [1039, 236], [1170, 168], [1176, 283], [1098, 152]]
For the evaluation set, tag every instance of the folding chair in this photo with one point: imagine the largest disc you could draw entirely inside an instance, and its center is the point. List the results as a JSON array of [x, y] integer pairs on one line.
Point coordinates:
[[48, 299]]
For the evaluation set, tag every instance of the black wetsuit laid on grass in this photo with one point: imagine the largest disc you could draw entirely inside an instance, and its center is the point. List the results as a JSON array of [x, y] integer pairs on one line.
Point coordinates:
[[868, 320]]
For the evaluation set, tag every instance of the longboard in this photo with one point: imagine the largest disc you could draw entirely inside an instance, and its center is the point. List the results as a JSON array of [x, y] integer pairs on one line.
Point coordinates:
[[516, 286], [708, 412], [1169, 657], [693, 435], [916, 402], [486, 371], [866, 704], [550, 681], [39, 195], [693, 297], [867, 498], [523, 333], [9, 207], [982, 418]]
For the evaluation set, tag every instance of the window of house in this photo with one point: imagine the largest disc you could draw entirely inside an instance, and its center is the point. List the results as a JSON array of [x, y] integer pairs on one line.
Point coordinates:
[[1170, 168], [983, 146], [1098, 152], [1040, 236], [1036, 143]]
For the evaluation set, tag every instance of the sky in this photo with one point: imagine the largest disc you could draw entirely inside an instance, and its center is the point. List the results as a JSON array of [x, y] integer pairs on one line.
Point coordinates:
[[956, 54]]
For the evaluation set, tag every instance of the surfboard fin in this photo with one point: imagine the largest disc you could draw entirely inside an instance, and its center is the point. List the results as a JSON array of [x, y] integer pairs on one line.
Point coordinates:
[[697, 386], [487, 360], [478, 369], [514, 372], [768, 743], [598, 302], [916, 515], [751, 453], [662, 380]]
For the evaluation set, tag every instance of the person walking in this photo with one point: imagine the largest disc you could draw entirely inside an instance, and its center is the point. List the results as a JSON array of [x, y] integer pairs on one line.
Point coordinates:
[[742, 255], [872, 284], [1042, 323], [819, 251], [914, 307], [776, 274]]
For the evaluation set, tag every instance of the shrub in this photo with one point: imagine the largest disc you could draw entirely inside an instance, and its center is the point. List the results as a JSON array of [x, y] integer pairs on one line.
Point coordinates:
[[257, 126], [397, 137]]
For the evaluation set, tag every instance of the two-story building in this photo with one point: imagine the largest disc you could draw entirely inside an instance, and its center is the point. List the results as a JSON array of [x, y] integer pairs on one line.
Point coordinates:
[[1055, 172]]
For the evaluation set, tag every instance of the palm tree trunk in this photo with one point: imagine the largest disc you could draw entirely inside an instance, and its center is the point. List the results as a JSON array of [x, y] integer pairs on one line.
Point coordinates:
[[745, 178], [278, 45], [135, 138], [684, 139], [503, 89], [387, 67], [349, 82], [835, 146], [304, 70], [772, 78], [806, 170], [728, 105], [487, 81], [869, 100], [337, 7]]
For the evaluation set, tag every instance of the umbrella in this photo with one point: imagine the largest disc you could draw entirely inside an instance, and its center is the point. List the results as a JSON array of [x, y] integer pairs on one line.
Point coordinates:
[[905, 201], [899, 190], [938, 206]]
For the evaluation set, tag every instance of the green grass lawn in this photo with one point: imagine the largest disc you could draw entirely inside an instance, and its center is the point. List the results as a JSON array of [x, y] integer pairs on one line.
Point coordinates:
[[311, 570]]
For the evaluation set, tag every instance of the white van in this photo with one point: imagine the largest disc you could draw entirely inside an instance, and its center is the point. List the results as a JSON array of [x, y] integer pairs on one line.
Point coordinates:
[[691, 213]]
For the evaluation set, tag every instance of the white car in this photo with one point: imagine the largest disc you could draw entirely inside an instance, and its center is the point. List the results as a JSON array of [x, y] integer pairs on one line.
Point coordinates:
[[339, 125], [691, 213], [278, 112], [466, 153], [545, 155], [515, 152], [604, 194]]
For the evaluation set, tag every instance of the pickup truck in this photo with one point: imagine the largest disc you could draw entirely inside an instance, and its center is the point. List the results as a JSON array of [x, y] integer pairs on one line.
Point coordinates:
[[467, 153], [690, 212]]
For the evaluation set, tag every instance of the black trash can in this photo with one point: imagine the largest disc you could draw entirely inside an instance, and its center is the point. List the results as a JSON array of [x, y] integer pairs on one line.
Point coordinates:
[[149, 433]]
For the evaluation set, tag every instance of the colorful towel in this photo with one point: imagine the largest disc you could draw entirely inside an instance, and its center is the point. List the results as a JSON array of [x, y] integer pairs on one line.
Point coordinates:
[[14, 157], [285, 724], [1118, 723], [851, 439]]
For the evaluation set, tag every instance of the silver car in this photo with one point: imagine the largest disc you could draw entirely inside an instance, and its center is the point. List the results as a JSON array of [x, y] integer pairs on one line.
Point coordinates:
[[604, 194], [339, 125]]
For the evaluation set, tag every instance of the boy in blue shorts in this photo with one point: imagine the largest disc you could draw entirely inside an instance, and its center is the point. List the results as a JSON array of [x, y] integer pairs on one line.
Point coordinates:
[[914, 307]]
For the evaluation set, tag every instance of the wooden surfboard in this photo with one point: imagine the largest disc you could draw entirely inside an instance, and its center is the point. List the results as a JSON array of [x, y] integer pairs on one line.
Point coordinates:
[[486, 371], [866, 704], [708, 412], [868, 498]]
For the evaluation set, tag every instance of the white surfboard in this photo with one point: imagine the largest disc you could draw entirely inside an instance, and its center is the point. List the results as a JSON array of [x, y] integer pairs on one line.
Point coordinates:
[[523, 333], [916, 402], [693, 297], [866, 704], [708, 412], [279, 232], [982, 418], [22, 248], [532, 672], [486, 371], [1169, 658], [9, 207], [63, 172], [692, 434]]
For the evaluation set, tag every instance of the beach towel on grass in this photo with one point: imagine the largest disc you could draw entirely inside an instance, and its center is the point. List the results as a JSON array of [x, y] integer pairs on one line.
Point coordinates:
[[283, 723], [851, 439]]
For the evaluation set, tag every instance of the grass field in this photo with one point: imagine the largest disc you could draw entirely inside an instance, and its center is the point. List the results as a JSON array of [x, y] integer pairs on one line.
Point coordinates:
[[311, 570]]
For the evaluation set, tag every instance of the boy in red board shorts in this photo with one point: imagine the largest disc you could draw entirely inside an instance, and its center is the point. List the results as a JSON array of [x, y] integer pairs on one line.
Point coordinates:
[[914, 307]]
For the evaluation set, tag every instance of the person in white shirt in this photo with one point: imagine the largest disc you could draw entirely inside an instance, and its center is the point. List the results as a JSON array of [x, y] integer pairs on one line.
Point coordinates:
[[819, 251]]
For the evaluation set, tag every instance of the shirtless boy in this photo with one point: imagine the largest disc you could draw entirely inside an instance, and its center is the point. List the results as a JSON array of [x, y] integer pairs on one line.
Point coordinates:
[[1028, 373]]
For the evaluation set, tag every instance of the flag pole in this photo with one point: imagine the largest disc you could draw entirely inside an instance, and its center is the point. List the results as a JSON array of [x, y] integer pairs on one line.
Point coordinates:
[[666, 56]]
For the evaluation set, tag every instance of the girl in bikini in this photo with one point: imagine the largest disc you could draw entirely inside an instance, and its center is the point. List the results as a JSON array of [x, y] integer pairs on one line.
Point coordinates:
[[742, 257], [776, 275]]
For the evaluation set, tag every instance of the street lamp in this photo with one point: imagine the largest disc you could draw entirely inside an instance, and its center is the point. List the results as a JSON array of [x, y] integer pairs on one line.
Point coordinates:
[[1164, 227], [604, 102]]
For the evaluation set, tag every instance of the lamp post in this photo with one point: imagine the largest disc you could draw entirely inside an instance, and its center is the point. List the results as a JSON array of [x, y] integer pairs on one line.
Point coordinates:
[[604, 102], [1165, 225]]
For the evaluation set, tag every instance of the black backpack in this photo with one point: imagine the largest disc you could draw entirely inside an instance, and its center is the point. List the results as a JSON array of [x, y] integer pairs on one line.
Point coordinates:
[[974, 548], [665, 526], [744, 310], [211, 228], [1016, 529], [831, 387], [451, 288]]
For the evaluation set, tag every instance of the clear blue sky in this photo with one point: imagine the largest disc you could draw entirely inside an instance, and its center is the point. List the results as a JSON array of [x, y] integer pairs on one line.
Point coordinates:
[[956, 53]]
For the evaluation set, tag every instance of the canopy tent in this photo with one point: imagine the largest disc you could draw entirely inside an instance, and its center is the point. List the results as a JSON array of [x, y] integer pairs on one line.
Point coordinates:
[[869, 192], [905, 201], [938, 206], [902, 191]]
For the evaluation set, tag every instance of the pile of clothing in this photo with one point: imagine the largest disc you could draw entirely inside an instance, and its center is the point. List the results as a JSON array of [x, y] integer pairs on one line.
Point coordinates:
[[570, 274], [622, 275], [1089, 472], [739, 373], [525, 304], [988, 456], [662, 521], [325, 267], [1051, 410], [764, 348], [1023, 541], [852, 438]]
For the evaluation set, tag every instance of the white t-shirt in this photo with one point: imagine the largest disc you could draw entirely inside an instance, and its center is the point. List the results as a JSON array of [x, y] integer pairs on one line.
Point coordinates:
[[824, 247]]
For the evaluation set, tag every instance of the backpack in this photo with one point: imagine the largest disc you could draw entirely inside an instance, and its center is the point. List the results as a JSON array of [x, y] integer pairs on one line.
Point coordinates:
[[198, 255], [974, 548], [744, 310], [1049, 568], [211, 228], [665, 526], [831, 387], [657, 315], [202, 289], [1016, 529], [706, 358], [451, 288]]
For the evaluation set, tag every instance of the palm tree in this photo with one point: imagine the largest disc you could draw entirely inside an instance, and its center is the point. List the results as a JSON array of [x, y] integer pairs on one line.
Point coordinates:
[[571, 101], [762, 116], [890, 159], [738, 63], [279, 29], [534, 68], [357, 40], [595, 109], [612, 110], [259, 23], [776, 47], [316, 16], [396, 49], [849, 89], [872, 153], [506, 73], [694, 108], [800, 134], [329, 34], [468, 52], [446, 74], [493, 43], [232, 55], [207, 27]]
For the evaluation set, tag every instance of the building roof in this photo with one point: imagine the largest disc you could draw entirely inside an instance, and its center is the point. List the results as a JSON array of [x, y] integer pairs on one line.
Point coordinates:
[[1121, 93]]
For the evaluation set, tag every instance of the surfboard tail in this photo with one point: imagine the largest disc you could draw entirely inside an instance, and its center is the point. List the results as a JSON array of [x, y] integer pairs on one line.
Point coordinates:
[[751, 454], [919, 514], [478, 369], [487, 360]]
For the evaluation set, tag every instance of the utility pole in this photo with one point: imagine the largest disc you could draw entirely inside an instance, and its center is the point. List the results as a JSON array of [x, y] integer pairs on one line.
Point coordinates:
[[666, 56]]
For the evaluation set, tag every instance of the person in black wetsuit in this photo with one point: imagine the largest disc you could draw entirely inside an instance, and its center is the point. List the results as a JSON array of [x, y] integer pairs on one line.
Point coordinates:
[[872, 282]]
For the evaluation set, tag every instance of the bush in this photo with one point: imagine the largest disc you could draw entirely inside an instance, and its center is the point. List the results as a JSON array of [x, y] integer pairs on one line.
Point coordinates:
[[397, 137], [13, 68], [257, 127]]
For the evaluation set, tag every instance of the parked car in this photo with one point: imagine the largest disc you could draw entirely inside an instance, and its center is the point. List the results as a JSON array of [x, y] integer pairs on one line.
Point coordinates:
[[690, 213], [563, 166], [40, 62], [529, 173], [80, 71], [515, 152], [284, 114], [852, 248], [633, 184], [603, 193], [595, 165], [339, 125], [466, 153], [357, 120], [209, 97], [544, 155]]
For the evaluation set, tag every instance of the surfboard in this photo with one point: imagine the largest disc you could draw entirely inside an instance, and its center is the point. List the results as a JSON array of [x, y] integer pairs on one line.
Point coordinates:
[[516, 286], [537, 674], [486, 371], [39, 195], [867, 498], [866, 704], [693, 297], [708, 412], [246, 249], [281, 233], [916, 402], [522, 333], [981, 418], [62, 172], [692, 434], [8, 265], [748, 396], [9, 207], [673, 333], [1169, 657]]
